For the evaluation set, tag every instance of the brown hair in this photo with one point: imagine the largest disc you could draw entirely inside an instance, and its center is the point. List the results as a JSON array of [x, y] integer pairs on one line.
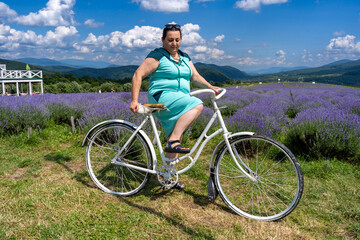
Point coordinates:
[[171, 27]]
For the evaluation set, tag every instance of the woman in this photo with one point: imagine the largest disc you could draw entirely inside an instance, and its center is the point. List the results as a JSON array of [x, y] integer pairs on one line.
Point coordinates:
[[170, 73]]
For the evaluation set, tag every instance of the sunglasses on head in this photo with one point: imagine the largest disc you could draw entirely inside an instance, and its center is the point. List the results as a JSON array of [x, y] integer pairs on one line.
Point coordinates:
[[170, 26]]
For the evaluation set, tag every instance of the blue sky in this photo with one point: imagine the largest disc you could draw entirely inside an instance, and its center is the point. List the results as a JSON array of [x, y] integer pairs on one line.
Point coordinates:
[[246, 34]]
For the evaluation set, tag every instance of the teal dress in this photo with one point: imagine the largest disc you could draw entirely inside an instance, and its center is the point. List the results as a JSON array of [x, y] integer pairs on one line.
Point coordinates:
[[169, 84]]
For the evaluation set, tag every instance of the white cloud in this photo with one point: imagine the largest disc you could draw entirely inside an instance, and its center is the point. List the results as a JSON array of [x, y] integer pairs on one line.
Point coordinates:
[[205, 53], [189, 27], [77, 57], [307, 57], [255, 5], [345, 44], [10, 55], [200, 49], [91, 23], [280, 57], [141, 37], [190, 36], [138, 37], [339, 33], [115, 38], [145, 36], [250, 51], [56, 13], [82, 49], [280, 53], [12, 39], [6, 12], [114, 46], [247, 61], [62, 37], [219, 38], [164, 5]]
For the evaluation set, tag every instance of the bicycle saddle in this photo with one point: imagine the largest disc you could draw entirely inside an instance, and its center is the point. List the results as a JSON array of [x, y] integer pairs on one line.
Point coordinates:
[[150, 108]]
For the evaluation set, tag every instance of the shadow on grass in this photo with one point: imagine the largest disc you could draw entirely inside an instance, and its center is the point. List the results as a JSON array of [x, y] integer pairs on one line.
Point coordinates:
[[199, 199], [186, 229], [59, 158], [203, 200], [152, 190]]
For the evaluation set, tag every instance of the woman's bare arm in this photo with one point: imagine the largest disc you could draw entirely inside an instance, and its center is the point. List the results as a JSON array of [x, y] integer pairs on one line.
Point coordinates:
[[147, 67], [198, 78]]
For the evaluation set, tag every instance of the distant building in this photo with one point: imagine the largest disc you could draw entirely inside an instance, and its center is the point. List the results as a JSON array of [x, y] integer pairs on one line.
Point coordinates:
[[20, 78]]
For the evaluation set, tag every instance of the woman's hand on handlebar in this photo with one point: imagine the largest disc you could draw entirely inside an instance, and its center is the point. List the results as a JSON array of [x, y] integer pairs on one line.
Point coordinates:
[[134, 106], [215, 89]]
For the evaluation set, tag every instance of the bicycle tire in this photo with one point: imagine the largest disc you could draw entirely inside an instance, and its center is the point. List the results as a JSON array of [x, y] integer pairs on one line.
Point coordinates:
[[102, 147], [279, 180]]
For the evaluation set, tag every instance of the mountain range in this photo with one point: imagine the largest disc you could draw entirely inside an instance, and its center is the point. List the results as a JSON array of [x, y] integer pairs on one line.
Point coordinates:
[[73, 63], [275, 70], [343, 72]]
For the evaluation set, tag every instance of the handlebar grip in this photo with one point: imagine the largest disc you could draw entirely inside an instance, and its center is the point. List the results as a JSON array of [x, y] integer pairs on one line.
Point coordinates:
[[222, 92], [217, 97]]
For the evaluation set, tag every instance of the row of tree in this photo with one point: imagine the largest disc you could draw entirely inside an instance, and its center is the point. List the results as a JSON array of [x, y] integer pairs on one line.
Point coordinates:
[[68, 83]]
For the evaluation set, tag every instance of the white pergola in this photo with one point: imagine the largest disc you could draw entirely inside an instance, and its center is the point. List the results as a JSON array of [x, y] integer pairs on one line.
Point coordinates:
[[20, 76]]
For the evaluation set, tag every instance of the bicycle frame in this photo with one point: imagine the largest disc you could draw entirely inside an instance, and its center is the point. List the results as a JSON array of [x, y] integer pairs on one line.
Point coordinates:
[[256, 176], [199, 143]]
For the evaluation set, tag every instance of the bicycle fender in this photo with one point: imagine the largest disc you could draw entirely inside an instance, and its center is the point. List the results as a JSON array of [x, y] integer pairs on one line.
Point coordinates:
[[92, 130], [212, 190], [222, 143], [141, 132]]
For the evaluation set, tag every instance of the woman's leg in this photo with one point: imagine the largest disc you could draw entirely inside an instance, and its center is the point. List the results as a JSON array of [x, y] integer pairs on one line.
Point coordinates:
[[182, 124]]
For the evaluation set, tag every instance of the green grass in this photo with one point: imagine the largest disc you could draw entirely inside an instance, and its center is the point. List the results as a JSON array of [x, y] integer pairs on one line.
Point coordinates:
[[46, 193]]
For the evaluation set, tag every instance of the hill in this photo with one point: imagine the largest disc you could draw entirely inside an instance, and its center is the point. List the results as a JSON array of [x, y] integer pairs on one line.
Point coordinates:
[[344, 72], [109, 73], [15, 65], [211, 72], [74, 63], [228, 71], [39, 61], [276, 70]]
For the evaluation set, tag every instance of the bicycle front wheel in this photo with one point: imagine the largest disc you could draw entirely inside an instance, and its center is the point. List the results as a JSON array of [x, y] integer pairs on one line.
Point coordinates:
[[279, 180], [103, 146]]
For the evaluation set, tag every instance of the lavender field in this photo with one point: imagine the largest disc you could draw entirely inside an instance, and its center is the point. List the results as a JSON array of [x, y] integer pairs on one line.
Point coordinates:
[[313, 120]]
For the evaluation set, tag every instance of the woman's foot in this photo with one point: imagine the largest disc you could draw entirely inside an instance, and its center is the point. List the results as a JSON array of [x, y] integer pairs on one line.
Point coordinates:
[[175, 148], [180, 186]]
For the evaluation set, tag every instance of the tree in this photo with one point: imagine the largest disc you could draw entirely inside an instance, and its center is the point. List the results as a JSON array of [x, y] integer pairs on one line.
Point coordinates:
[[106, 87], [144, 85], [86, 86], [127, 87], [73, 87]]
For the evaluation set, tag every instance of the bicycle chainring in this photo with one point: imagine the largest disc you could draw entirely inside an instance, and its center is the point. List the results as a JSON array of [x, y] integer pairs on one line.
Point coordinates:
[[167, 176]]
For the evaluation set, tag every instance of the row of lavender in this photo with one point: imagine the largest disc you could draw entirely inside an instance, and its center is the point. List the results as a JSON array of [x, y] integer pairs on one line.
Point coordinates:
[[313, 120]]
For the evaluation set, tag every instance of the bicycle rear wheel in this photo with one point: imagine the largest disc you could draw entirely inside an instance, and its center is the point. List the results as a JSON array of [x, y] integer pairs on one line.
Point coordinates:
[[279, 181], [103, 146]]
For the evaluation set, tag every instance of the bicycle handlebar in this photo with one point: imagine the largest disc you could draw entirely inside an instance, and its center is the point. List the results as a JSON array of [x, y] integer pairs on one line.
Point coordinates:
[[221, 91]]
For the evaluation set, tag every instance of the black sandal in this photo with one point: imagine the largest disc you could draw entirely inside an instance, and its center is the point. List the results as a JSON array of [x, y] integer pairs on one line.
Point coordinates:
[[180, 186], [176, 149]]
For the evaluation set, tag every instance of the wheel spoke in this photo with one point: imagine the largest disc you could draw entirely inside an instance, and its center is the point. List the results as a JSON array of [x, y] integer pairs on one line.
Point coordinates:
[[278, 186], [104, 144]]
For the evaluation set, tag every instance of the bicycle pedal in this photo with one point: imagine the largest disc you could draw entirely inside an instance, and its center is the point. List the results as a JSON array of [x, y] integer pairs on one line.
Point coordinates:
[[164, 188]]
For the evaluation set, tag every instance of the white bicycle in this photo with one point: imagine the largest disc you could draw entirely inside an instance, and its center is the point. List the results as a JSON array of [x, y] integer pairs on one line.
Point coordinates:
[[256, 176]]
